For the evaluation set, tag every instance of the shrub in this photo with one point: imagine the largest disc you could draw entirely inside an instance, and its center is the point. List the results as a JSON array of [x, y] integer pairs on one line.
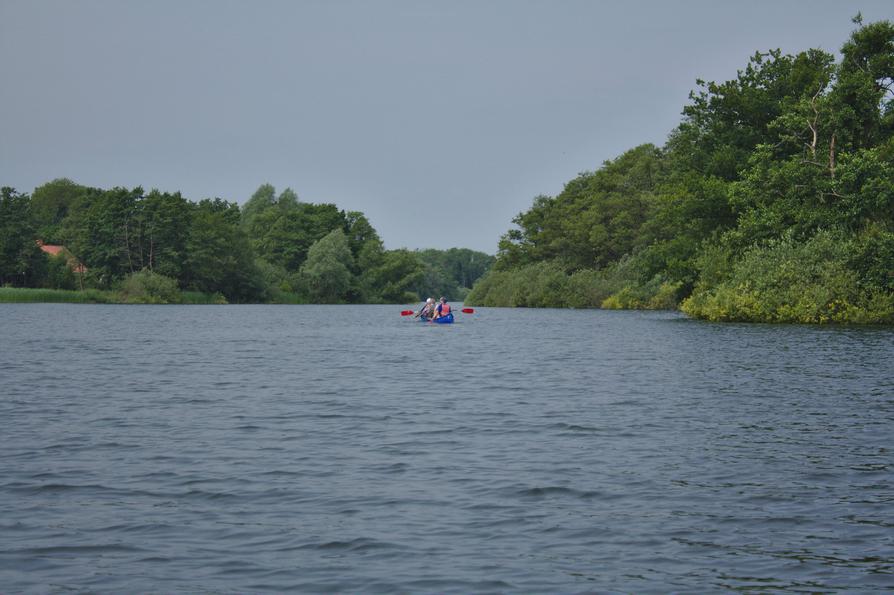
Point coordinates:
[[589, 288], [147, 287], [201, 298], [657, 294], [540, 285], [789, 281], [873, 259]]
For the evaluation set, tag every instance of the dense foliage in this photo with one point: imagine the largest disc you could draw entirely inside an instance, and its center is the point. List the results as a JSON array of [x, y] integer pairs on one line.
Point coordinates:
[[158, 247], [773, 200]]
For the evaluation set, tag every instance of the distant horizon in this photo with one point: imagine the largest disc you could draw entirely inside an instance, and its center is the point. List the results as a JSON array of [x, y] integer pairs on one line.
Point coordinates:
[[439, 122]]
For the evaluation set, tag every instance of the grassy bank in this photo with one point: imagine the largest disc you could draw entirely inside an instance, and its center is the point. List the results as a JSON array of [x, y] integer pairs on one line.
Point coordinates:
[[21, 295], [25, 295]]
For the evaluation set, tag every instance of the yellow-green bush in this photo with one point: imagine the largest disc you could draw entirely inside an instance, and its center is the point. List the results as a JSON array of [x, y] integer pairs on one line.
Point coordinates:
[[795, 282], [654, 295]]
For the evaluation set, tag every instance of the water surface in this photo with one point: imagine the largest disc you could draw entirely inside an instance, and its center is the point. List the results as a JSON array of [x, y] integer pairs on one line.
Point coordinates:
[[336, 448]]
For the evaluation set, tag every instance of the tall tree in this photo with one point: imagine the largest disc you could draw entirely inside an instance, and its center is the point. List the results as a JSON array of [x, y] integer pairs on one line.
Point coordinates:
[[50, 204], [359, 232], [164, 229], [263, 199], [284, 238], [395, 277], [21, 261], [219, 254], [863, 96], [102, 230], [327, 270], [287, 200], [594, 221], [725, 121]]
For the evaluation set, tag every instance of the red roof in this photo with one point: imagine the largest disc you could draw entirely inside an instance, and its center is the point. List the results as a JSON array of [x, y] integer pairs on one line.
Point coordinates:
[[51, 250], [54, 250]]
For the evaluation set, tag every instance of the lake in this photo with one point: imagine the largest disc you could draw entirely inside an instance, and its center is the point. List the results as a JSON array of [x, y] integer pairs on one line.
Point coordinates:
[[348, 449]]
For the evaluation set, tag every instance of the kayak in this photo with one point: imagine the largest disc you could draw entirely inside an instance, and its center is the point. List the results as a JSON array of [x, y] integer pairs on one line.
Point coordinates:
[[443, 320]]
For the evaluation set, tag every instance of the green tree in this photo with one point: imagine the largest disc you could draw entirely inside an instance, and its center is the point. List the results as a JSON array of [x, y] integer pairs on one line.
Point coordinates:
[[263, 200], [50, 204], [596, 219], [395, 277], [451, 272], [285, 238], [368, 252], [359, 232], [264, 209], [21, 261], [725, 121], [164, 224], [523, 245], [862, 98], [327, 270], [219, 255], [793, 146], [59, 274], [102, 230], [287, 200]]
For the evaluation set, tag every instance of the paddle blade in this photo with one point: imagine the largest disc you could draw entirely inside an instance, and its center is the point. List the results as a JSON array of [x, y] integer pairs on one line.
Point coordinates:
[[468, 311], [406, 312]]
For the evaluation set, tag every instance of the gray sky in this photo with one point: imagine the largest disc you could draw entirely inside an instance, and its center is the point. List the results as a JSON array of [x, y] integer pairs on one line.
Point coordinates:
[[440, 120]]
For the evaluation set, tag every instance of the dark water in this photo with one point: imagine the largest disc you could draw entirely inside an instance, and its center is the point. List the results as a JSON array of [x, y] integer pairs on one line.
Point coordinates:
[[312, 448]]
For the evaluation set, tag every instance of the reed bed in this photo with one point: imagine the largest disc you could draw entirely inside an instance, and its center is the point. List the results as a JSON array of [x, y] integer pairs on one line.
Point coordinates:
[[27, 295], [19, 295]]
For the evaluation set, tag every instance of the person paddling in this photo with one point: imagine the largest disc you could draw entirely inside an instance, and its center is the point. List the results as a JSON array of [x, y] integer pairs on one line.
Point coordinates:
[[427, 310], [442, 310]]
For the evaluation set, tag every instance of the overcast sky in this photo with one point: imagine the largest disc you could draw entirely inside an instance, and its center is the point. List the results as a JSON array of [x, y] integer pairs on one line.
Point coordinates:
[[440, 120]]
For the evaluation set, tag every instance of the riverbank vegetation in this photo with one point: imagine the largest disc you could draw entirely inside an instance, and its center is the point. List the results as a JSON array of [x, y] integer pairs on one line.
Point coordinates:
[[126, 295], [773, 200], [68, 242], [25, 295]]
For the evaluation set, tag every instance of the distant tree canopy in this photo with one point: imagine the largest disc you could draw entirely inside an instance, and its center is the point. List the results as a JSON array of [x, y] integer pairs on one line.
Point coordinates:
[[274, 248], [450, 273], [785, 167]]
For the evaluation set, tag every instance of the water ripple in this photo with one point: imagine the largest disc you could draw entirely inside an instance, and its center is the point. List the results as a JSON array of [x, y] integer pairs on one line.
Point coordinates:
[[345, 449]]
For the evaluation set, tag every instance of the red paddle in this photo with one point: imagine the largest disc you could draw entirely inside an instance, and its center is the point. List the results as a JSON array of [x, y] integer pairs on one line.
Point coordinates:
[[410, 312]]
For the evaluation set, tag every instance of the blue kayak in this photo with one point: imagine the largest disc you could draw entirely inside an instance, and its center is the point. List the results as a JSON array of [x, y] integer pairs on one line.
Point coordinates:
[[442, 320]]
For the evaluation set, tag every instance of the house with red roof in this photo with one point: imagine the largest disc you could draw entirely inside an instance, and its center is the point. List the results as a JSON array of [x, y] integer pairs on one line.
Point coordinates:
[[53, 250]]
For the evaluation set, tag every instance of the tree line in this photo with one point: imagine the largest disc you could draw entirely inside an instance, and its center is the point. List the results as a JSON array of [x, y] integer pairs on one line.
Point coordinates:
[[275, 248], [772, 200]]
